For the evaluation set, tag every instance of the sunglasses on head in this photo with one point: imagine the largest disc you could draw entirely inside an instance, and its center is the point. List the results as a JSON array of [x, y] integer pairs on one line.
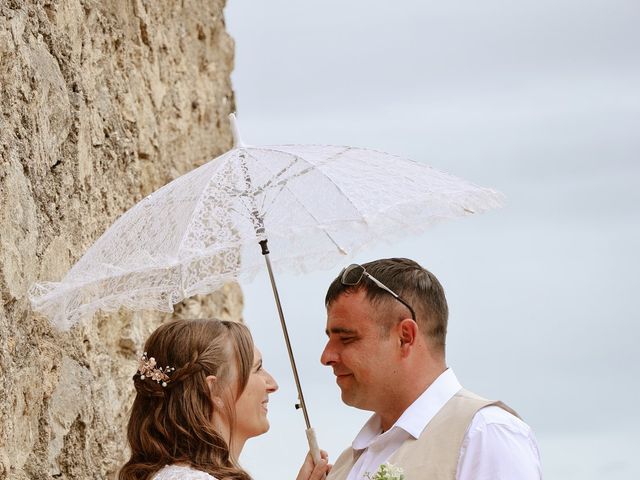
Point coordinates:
[[353, 274]]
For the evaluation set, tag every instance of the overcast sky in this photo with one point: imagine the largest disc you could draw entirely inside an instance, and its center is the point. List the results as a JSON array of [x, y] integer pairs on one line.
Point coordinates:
[[538, 99]]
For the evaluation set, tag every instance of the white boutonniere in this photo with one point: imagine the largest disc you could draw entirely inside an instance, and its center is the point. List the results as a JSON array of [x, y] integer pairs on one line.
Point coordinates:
[[387, 472]]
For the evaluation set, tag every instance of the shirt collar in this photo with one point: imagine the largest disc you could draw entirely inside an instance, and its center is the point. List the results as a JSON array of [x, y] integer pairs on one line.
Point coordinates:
[[417, 416], [424, 408]]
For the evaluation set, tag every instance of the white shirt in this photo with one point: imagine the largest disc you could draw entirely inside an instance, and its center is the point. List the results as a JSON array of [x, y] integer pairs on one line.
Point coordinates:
[[181, 472], [497, 445]]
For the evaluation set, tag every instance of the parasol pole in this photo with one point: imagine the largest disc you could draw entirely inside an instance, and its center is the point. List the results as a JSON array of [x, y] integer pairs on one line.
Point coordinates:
[[260, 233], [311, 434]]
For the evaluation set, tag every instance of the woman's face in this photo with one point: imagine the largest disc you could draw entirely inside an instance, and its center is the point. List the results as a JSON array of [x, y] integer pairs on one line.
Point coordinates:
[[251, 406]]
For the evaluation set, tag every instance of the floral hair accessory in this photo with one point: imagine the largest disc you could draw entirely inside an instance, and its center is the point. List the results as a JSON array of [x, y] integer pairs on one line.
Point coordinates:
[[387, 471], [147, 369]]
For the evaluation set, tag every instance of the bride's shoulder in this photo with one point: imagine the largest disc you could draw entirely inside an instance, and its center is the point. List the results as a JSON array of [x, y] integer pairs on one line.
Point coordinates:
[[180, 472]]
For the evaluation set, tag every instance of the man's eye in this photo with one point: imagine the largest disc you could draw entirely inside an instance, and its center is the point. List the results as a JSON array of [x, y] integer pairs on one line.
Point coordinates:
[[347, 339]]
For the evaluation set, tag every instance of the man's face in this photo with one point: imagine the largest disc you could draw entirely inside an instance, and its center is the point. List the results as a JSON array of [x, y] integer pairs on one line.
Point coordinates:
[[363, 361]]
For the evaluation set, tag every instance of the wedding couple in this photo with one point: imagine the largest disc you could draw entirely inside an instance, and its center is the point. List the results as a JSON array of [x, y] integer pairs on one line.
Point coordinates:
[[202, 392]]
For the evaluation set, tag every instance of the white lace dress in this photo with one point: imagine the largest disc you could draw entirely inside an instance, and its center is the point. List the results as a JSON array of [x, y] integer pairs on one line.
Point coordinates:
[[179, 472]]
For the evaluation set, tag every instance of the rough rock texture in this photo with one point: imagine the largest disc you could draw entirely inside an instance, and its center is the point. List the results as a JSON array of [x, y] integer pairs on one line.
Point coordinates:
[[101, 102]]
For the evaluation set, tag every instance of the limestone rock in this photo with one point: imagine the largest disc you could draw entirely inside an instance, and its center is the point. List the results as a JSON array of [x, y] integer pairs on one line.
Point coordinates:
[[102, 102]]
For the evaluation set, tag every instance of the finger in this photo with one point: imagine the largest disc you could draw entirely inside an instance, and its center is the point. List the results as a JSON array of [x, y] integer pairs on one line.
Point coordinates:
[[319, 470], [307, 469]]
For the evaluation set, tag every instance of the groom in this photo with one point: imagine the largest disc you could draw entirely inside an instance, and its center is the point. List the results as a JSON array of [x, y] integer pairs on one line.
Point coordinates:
[[387, 325]]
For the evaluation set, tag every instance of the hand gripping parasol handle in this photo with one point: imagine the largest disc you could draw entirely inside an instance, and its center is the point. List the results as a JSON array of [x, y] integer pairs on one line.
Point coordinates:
[[311, 434]]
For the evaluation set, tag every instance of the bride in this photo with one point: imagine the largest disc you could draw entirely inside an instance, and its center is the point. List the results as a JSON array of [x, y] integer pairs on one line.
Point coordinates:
[[201, 392]]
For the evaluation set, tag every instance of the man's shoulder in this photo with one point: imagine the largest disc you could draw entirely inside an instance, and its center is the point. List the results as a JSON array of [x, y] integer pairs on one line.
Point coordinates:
[[498, 444], [492, 416], [495, 417]]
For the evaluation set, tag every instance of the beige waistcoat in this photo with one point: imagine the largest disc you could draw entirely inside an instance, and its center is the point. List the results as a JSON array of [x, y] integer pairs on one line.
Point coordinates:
[[434, 455]]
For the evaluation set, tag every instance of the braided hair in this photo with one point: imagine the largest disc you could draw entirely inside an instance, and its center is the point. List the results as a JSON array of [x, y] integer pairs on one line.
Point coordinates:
[[174, 423]]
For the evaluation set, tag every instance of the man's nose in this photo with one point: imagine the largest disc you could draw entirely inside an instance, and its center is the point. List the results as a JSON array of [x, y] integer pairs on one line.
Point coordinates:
[[329, 356]]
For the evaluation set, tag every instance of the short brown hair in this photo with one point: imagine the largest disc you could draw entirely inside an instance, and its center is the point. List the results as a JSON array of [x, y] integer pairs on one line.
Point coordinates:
[[173, 424], [415, 284]]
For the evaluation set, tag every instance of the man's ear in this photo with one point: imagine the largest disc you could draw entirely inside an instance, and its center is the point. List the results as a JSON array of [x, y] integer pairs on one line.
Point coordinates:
[[407, 334]]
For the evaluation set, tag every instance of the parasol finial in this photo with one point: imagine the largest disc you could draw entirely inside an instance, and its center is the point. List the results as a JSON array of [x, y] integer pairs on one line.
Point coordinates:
[[237, 140]]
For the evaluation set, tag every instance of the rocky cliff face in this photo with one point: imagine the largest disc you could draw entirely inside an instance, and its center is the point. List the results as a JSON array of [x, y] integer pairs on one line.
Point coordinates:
[[101, 103]]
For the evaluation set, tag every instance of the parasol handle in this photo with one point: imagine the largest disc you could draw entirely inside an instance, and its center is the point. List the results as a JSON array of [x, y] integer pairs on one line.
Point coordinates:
[[313, 444]]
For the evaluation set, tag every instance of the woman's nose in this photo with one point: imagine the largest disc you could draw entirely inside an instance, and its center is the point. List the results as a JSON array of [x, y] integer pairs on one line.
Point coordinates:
[[272, 385]]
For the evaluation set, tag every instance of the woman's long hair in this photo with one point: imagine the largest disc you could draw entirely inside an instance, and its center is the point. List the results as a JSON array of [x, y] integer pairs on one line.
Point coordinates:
[[174, 424]]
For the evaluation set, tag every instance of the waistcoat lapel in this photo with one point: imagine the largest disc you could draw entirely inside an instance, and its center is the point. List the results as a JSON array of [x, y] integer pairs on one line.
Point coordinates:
[[434, 455], [343, 465]]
